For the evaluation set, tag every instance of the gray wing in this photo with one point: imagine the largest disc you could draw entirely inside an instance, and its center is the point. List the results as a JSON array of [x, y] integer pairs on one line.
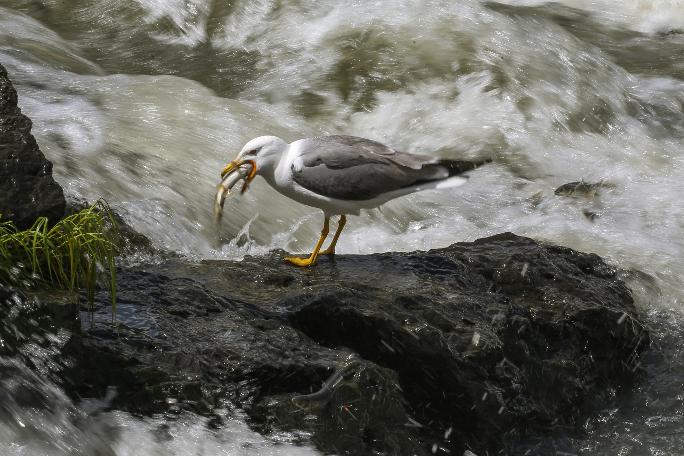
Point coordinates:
[[351, 168]]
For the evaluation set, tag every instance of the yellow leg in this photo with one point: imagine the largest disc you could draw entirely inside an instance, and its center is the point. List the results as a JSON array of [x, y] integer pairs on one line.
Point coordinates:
[[340, 226], [312, 258]]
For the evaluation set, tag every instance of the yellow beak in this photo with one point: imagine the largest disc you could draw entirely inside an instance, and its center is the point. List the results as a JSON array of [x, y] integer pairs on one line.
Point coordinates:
[[234, 166]]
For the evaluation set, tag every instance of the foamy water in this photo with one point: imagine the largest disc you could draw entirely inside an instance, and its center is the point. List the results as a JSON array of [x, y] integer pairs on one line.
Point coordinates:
[[38, 419], [142, 102], [647, 16]]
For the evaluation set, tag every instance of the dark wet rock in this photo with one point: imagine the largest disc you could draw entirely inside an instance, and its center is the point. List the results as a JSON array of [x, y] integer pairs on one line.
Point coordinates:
[[31, 326], [33, 336], [499, 344], [27, 189], [19, 320]]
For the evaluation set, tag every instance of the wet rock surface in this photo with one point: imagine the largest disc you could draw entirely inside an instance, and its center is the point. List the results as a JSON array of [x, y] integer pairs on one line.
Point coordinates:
[[34, 331], [27, 189], [500, 344]]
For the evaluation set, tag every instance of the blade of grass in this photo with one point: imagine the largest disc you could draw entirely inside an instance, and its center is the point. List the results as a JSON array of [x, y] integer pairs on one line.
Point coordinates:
[[66, 254]]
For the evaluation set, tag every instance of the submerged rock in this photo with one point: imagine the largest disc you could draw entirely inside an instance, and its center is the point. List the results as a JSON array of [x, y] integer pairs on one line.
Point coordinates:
[[582, 189], [485, 346], [27, 189]]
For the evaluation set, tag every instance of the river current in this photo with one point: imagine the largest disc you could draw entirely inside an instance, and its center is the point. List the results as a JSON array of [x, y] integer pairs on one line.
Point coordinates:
[[142, 102]]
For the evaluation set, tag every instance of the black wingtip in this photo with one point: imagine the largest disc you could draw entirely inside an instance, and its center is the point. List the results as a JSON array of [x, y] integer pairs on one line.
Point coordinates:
[[457, 167]]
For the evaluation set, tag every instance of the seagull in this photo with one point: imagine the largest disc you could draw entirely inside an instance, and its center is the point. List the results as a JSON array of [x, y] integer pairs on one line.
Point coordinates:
[[340, 175]]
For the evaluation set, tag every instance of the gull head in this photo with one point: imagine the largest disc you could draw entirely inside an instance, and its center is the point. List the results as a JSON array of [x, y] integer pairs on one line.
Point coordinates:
[[263, 153], [259, 156]]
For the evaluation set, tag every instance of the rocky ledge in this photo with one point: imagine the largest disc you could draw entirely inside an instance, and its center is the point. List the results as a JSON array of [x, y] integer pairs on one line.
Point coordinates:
[[27, 189], [500, 344]]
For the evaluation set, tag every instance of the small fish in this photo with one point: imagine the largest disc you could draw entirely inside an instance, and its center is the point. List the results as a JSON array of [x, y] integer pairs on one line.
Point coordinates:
[[223, 189], [582, 189]]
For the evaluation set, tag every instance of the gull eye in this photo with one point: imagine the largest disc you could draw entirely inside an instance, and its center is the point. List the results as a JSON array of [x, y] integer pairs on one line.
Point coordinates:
[[253, 152]]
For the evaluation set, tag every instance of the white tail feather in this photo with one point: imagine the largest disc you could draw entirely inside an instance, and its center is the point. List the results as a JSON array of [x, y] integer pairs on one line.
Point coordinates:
[[451, 182]]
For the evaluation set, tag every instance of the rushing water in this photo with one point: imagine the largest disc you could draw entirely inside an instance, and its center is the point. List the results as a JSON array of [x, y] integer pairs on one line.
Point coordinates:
[[52, 425], [143, 101]]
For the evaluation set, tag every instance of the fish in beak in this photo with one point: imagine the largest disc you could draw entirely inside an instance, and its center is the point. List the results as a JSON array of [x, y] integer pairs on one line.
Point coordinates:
[[232, 173]]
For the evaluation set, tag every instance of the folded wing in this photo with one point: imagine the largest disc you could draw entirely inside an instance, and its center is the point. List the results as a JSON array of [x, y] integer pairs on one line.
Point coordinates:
[[352, 168]]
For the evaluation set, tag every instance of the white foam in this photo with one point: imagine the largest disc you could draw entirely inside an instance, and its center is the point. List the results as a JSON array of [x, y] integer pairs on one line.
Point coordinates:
[[188, 16], [190, 435], [648, 16], [37, 418]]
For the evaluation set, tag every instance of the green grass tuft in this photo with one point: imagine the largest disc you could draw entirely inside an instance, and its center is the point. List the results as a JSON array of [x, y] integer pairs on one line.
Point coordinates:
[[76, 253]]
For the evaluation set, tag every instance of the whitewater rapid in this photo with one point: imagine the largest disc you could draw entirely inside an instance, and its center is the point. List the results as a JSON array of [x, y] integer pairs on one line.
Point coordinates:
[[142, 102]]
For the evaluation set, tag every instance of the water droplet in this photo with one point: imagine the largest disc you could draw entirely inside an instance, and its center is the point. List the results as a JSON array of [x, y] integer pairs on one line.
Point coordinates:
[[524, 269], [447, 433]]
